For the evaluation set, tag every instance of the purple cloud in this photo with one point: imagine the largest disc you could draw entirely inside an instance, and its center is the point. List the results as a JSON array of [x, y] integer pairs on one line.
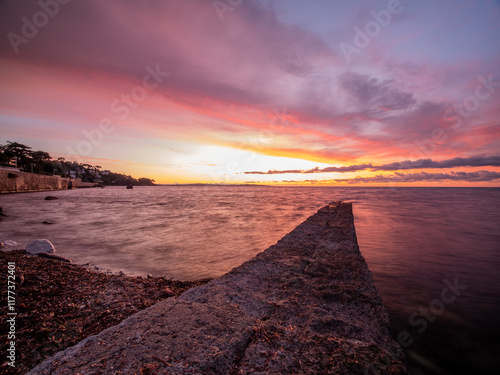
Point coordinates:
[[474, 161], [479, 176], [374, 95]]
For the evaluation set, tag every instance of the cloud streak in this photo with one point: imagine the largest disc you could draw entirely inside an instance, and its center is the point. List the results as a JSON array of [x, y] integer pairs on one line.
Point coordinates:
[[474, 161], [480, 176]]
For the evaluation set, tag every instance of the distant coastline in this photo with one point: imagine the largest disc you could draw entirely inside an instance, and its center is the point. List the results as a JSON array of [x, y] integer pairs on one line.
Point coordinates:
[[25, 170], [211, 184]]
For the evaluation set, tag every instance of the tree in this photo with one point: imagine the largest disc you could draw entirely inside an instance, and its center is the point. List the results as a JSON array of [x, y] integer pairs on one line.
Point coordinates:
[[145, 182], [63, 165], [18, 150], [3, 157], [40, 157], [21, 152]]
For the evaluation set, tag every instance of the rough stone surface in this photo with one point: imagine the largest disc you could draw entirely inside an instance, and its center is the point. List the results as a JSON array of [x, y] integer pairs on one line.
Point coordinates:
[[306, 305], [16, 182], [40, 246]]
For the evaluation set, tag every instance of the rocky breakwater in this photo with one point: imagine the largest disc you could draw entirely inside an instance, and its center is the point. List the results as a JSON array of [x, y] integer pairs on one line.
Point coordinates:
[[306, 305]]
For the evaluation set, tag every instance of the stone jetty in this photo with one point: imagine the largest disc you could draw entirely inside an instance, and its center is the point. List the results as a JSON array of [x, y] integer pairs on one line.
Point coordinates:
[[306, 305]]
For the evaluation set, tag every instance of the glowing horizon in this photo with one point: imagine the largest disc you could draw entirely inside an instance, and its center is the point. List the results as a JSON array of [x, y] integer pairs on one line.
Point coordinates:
[[184, 92]]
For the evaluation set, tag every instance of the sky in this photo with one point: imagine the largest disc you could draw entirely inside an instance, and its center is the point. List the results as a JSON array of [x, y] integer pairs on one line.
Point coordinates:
[[356, 93]]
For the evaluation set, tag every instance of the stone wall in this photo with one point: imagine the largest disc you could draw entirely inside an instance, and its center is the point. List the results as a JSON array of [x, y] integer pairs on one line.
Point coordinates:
[[12, 181], [306, 305]]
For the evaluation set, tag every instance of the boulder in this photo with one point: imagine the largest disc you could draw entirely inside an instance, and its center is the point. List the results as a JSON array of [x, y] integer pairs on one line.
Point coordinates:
[[50, 198], [40, 246], [10, 245]]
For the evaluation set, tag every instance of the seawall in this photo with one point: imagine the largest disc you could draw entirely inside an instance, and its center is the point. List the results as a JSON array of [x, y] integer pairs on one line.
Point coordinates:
[[306, 305], [12, 181]]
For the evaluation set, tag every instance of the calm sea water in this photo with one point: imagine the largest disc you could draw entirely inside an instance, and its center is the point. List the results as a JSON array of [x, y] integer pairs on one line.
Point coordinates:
[[415, 240]]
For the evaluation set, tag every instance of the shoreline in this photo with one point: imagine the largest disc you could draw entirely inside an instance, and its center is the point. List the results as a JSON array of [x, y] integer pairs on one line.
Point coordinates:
[[12, 182], [58, 304]]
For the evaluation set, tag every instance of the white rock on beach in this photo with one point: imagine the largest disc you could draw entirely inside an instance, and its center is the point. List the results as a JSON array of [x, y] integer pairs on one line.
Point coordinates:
[[40, 246], [10, 245]]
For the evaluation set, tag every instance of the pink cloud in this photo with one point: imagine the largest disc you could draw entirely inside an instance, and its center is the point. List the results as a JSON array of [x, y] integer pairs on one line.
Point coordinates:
[[226, 78]]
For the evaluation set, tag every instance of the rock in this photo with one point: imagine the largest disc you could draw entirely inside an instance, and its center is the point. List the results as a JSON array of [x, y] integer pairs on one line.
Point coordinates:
[[40, 246], [50, 198], [19, 279], [10, 245], [1, 212]]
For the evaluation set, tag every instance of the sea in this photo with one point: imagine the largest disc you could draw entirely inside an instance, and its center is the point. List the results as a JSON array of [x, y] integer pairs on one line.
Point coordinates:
[[434, 253]]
